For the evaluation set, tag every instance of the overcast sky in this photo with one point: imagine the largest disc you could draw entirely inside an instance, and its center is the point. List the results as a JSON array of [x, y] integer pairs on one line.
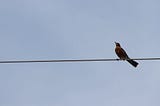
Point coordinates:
[[79, 29]]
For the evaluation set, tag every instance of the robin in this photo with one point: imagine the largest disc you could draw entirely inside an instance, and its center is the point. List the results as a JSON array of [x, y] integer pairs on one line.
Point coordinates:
[[123, 55]]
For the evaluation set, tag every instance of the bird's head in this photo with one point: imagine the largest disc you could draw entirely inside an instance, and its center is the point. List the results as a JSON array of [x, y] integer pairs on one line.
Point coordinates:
[[117, 44]]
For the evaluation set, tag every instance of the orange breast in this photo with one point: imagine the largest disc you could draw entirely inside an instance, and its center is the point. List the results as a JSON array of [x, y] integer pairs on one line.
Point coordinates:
[[120, 53]]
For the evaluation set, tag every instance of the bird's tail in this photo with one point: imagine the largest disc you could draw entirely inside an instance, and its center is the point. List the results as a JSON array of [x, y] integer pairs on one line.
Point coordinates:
[[133, 63]]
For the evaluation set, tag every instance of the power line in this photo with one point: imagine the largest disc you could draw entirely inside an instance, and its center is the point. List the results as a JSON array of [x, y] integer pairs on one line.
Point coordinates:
[[71, 60]]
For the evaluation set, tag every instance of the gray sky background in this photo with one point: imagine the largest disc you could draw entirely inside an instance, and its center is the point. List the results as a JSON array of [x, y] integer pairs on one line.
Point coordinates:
[[78, 29]]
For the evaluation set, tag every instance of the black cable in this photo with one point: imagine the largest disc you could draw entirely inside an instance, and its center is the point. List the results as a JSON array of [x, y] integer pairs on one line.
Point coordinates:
[[71, 60]]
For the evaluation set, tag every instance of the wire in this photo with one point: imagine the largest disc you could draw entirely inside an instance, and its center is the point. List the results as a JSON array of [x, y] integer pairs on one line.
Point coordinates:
[[72, 60]]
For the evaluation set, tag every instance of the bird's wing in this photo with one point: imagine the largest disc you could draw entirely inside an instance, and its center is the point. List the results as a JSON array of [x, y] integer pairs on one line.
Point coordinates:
[[124, 53]]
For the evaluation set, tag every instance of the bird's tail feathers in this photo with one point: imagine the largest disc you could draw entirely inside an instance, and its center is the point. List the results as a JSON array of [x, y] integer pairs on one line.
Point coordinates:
[[133, 63]]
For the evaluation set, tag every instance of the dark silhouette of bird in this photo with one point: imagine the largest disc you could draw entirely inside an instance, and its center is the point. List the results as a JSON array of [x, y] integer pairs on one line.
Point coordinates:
[[123, 55]]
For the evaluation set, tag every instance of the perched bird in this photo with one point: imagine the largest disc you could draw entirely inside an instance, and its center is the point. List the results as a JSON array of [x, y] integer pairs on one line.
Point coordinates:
[[123, 55]]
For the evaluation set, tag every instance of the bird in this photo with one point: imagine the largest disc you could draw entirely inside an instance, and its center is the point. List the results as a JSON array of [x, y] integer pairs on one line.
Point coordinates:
[[121, 53]]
